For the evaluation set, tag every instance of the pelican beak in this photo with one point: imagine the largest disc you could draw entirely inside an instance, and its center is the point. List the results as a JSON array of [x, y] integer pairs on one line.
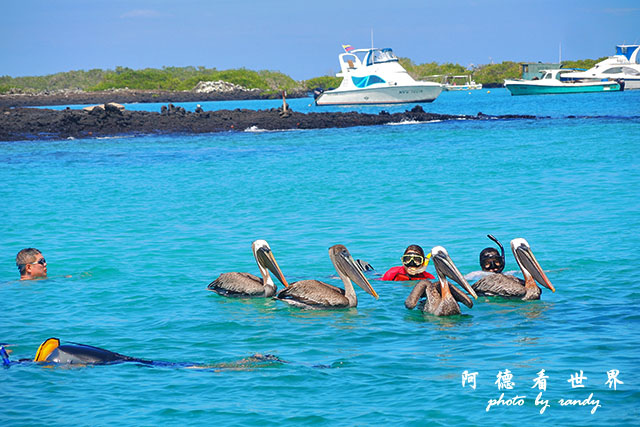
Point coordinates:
[[266, 258], [445, 267], [525, 258], [346, 264]]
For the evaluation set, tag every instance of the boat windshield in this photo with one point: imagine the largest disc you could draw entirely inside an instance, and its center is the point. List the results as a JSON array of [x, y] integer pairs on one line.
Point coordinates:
[[626, 50], [378, 56], [618, 70]]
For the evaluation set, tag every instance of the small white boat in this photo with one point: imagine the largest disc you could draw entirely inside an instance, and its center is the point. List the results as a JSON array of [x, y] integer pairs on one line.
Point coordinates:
[[463, 82], [554, 82], [624, 67], [374, 76]]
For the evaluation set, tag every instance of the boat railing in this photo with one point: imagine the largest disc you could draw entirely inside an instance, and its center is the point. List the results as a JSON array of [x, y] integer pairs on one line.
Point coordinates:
[[450, 79]]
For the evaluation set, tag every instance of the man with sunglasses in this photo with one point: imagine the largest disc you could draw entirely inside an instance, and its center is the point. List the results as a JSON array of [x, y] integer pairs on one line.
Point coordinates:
[[31, 264], [414, 266]]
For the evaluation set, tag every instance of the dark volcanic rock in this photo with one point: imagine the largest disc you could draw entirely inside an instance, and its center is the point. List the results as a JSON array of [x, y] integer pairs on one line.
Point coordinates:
[[38, 123]]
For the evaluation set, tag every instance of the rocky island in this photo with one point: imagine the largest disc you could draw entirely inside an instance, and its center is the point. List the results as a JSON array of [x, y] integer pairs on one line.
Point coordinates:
[[112, 120]]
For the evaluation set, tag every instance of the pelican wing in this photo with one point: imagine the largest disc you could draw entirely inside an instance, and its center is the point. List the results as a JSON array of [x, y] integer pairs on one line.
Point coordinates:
[[460, 296], [503, 285], [417, 292], [313, 293], [237, 285]]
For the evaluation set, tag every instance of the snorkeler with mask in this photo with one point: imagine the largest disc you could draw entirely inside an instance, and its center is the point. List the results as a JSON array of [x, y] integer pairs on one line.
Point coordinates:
[[52, 353], [491, 261], [414, 266]]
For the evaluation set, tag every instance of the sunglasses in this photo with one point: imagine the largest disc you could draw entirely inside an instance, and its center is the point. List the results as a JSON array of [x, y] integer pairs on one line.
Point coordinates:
[[41, 261], [413, 259]]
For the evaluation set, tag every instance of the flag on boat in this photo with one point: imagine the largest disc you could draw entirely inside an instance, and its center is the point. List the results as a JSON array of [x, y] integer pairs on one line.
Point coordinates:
[[348, 48]]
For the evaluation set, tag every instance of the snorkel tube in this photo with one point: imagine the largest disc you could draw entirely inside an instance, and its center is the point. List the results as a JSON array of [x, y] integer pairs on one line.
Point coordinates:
[[5, 356], [499, 244], [426, 260]]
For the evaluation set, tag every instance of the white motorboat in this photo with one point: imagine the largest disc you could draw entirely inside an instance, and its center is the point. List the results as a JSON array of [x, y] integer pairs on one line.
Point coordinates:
[[463, 82], [624, 67], [554, 82], [374, 76]]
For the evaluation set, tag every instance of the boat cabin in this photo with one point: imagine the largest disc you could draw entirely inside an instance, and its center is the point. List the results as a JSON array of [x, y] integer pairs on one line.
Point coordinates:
[[533, 69], [555, 74], [365, 58]]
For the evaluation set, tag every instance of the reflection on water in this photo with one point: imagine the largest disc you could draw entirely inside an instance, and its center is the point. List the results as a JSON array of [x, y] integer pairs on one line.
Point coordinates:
[[537, 309], [442, 323], [529, 309]]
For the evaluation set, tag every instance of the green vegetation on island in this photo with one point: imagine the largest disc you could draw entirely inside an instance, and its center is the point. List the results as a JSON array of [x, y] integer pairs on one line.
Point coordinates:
[[491, 74], [582, 63], [186, 78]]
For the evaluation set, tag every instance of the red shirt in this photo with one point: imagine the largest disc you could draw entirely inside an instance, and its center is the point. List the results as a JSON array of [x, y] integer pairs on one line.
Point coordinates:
[[399, 273]]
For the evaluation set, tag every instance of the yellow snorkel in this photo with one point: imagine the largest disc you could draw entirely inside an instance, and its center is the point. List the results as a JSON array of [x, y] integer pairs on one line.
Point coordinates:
[[427, 259]]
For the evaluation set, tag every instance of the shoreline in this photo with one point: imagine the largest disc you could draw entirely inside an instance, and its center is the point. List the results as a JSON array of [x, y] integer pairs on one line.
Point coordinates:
[[17, 124], [132, 96], [129, 96]]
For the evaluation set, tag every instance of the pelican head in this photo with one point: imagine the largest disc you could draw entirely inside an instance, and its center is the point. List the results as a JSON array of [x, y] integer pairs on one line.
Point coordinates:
[[446, 268], [266, 261], [348, 269], [528, 262]]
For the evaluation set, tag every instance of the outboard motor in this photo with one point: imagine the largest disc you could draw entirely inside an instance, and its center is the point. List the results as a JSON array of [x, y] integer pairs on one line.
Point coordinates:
[[317, 92]]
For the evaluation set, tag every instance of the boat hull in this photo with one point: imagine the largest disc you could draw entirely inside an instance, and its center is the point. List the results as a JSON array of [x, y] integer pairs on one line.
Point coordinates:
[[520, 88], [631, 84], [462, 87], [380, 95]]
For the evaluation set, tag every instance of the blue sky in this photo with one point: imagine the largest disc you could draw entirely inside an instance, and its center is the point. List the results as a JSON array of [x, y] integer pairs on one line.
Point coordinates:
[[302, 38]]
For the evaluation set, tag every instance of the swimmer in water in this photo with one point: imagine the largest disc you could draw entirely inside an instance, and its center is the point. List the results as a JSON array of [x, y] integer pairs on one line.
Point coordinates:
[[414, 266], [491, 261], [52, 352], [31, 264]]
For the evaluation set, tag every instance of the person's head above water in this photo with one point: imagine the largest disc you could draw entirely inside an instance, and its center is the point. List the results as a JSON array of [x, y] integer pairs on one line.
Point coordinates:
[[31, 264], [492, 260], [414, 261]]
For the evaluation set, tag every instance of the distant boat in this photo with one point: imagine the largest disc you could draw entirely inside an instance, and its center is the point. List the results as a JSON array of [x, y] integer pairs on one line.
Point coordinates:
[[624, 67], [374, 76], [554, 82], [463, 82]]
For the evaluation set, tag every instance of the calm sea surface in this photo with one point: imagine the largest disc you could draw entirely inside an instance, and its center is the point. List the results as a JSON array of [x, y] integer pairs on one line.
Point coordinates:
[[143, 224]]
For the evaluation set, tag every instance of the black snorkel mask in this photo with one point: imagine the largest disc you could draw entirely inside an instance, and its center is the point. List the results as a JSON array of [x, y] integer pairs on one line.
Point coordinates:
[[490, 260]]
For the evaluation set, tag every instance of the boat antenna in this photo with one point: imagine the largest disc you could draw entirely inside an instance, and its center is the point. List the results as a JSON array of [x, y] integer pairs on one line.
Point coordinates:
[[560, 54], [372, 38]]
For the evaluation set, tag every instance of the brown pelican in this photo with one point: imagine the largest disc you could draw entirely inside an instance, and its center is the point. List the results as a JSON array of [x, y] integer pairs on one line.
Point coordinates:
[[247, 285], [316, 294], [442, 297], [512, 287]]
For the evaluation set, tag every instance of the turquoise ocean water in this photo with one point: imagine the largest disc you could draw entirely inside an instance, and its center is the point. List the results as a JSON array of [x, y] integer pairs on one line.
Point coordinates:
[[143, 224]]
